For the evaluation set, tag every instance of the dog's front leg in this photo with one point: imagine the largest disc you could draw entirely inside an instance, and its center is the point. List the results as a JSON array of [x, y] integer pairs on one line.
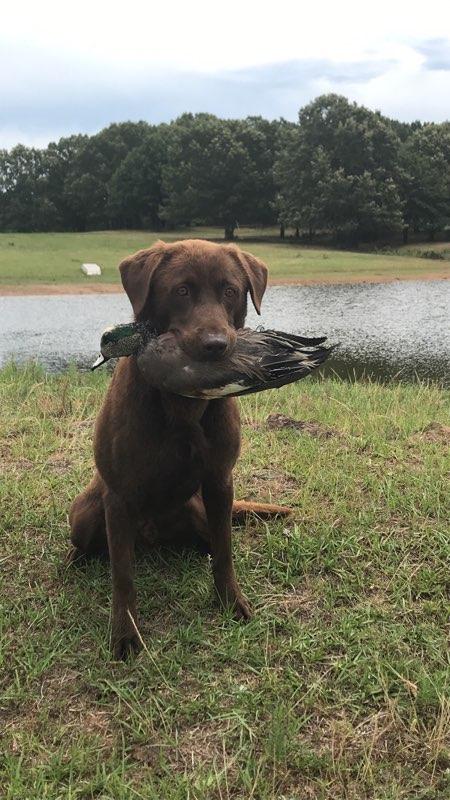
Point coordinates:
[[218, 499], [121, 532]]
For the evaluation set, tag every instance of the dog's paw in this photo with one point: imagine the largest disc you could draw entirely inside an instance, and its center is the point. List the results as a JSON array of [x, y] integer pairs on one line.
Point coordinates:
[[125, 638], [125, 645], [241, 608], [231, 597]]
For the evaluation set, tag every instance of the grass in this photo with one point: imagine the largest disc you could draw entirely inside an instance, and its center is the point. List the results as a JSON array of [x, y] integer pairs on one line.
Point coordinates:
[[339, 686], [34, 258]]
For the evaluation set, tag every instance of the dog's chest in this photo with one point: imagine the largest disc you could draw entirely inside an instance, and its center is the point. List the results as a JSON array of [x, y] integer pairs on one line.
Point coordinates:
[[176, 468]]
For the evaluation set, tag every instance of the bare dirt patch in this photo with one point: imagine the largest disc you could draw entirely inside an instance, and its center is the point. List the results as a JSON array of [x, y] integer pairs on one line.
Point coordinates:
[[28, 289], [270, 482], [17, 465], [435, 432], [59, 288], [59, 464], [301, 603], [202, 744], [314, 429], [151, 754]]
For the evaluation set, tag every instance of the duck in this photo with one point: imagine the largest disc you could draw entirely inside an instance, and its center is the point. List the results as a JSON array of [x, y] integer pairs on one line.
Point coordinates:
[[261, 359]]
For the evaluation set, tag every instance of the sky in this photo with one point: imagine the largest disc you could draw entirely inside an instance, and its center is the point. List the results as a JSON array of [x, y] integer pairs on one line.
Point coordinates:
[[76, 67]]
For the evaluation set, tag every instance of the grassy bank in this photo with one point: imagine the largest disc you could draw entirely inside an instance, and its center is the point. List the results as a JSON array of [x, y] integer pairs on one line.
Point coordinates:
[[338, 688], [55, 258]]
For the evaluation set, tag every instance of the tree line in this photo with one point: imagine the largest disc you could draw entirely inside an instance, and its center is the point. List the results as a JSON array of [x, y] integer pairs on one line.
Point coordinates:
[[341, 169]]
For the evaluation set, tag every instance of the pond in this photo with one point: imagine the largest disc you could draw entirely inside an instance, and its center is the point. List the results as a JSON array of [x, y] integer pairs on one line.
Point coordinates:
[[387, 330]]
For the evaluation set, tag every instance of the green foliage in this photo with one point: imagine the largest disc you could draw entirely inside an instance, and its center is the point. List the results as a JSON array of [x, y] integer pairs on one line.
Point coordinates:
[[135, 188], [91, 170], [218, 172], [342, 169], [59, 160], [24, 205], [337, 170], [425, 178]]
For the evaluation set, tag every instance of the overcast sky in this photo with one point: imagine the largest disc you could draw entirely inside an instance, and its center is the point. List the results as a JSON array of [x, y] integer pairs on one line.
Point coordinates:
[[69, 68]]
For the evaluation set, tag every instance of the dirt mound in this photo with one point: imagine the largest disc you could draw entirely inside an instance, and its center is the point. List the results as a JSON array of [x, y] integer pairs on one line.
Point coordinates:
[[315, 429]]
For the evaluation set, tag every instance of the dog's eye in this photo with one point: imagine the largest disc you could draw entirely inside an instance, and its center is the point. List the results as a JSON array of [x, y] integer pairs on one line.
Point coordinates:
[[183, 291], [230, 291]]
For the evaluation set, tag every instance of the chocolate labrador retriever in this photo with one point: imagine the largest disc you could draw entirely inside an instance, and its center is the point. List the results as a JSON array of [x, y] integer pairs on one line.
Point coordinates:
[[164, 462]]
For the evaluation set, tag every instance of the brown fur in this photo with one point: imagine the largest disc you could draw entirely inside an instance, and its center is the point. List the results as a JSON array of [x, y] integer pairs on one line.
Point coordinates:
[[164, 463]]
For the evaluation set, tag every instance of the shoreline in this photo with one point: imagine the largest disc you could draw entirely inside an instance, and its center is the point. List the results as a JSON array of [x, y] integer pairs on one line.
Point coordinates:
[[40, 289]]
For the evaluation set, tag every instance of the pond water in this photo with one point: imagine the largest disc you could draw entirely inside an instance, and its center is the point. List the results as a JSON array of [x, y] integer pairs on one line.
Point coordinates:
[[390, 330]]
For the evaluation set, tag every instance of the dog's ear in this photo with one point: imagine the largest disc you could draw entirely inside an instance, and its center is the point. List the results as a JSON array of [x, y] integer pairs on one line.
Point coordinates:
[[137, 272], [256, 274]]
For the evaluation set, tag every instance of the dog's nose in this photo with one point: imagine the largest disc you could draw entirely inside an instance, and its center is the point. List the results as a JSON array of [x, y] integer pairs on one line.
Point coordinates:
[[215, 344]]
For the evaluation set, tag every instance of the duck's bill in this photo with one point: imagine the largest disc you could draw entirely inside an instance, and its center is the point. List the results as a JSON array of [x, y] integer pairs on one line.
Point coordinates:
[[100, 360]]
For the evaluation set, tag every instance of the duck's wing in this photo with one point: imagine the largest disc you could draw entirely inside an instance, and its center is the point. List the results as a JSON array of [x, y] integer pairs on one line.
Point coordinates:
[[256, 344], [264, 360], [282, 372], [291, 340]]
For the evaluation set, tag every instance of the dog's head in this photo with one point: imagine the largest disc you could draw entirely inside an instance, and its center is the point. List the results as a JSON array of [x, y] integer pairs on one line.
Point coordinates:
[[196, 290]]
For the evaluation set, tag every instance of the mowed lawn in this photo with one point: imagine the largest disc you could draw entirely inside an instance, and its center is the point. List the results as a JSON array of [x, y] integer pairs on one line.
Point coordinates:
[[339, 685], [52, 258]]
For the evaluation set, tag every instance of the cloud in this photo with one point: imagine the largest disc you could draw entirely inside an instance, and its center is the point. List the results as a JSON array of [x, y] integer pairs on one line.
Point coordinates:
[[46, 94], [289, 74], [436, 52]]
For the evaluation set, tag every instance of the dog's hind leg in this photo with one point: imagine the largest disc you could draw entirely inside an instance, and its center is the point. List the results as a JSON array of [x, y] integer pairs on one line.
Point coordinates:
[[87, 522]]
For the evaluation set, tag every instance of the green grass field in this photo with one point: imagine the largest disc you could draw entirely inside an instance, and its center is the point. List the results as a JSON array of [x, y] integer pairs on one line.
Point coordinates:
[[339, 686], [45, 258]]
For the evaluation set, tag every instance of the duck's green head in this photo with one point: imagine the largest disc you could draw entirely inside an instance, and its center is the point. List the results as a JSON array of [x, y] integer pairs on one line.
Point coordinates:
[[120, 340]]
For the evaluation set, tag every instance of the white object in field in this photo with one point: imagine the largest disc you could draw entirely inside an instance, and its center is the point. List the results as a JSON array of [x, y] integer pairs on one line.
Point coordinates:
[[91, 269]]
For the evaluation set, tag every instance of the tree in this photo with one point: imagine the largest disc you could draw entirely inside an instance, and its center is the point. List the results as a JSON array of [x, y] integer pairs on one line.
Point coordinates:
[[93, 165], [361, 207], [59, 158], [425, 178], [260, 136], [303, 178], [135, 189], [337, 170], [23, 204], [341, 168], [217, 172]]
